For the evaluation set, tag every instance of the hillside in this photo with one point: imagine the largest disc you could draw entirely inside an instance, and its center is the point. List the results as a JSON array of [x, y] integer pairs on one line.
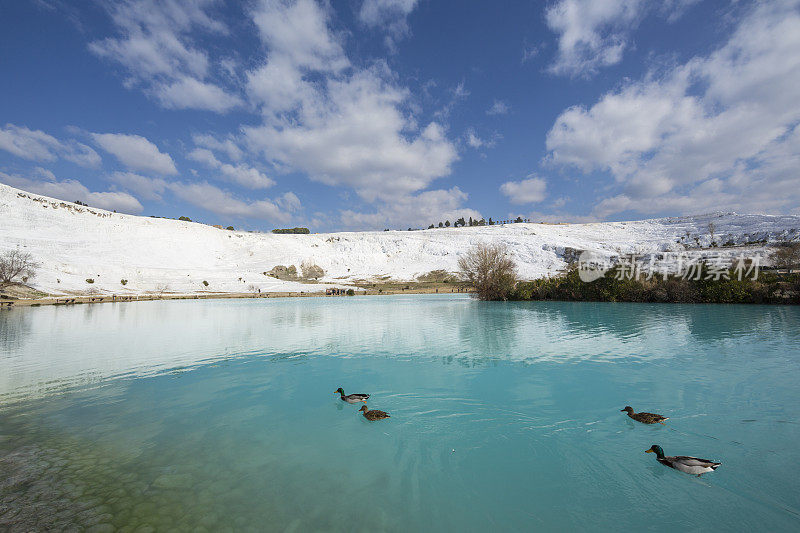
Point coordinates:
[[74, 243]]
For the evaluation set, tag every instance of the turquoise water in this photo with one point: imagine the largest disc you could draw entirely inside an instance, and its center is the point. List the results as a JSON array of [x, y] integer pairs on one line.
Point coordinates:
[[220, 415]]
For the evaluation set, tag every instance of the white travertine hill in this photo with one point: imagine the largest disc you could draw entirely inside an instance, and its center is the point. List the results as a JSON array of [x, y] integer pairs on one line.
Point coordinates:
[[73, 243]]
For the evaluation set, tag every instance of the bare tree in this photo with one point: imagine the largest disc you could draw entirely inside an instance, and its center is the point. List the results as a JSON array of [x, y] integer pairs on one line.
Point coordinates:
[[787, 255], [16, 263], [162, 288], [311, 270], [712, 228], [488, 268]]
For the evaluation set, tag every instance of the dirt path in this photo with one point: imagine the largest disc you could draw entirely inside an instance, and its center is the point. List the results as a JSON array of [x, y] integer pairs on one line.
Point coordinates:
[[96, 299]]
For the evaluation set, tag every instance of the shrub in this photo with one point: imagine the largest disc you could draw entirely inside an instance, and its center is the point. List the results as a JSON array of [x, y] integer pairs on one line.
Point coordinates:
[[787, 255], [616, 287], [284, 273], [298, 231], [351, 292], [124, 281], [205, 283], [89, 280], [488, 268], [311, 270], [230, 228], [16, 263], [437, 276], [185, 219]]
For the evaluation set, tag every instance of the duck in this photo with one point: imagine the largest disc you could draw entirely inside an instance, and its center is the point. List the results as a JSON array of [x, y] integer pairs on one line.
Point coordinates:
[[373, 414], [684, 463], [351, 398], [645, 418]]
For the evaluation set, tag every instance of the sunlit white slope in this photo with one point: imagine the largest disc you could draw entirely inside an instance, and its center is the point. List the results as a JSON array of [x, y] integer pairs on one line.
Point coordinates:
[[75, 243]]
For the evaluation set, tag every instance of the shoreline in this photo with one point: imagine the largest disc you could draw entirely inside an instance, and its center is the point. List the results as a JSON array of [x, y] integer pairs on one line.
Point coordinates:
[[98, 299]]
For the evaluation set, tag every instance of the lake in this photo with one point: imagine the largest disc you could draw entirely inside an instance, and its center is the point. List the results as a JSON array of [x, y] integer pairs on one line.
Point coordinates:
[[220, 415]]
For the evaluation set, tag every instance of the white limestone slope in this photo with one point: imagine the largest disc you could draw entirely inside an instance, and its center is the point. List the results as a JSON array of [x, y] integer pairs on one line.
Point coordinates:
[[75, 243]]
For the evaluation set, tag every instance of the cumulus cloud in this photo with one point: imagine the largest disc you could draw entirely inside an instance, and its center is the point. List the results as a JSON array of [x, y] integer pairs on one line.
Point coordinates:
[[136, 152], [340, 125], [413, 210], [591, 33], [210, 197], [228, 145], [189, 93], [216, 200], [37, 145], [713, 133], [241, 174], [299, 32], [144, 187], [154, 47], [70, 190], [527, 191]]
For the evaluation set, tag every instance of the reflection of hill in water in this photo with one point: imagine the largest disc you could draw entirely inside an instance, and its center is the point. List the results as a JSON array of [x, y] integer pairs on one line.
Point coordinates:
[[14, 327], [50, 347]]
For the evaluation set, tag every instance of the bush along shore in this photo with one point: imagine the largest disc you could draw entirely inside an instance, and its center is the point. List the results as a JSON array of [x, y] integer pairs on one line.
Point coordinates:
[[705, 285]]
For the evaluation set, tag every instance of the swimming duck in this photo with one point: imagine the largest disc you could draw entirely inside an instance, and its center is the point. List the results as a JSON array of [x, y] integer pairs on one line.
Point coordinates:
[[351, 398], [690, 465], [645, 418], [373, 414]]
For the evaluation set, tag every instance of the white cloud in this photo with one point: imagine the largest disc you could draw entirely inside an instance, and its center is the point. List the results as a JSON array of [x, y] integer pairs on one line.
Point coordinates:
[[189, 93], [221, 202], [457, 95], [527, 191], [390, 15], [210, 197], [499, 107], [591, 33], [136, 152], [338, 124], [674, 9], [157, 53], [147, 188], [413, 210], [299, 32], [242, 174], [37, 145], [473, 141], [71, 190], [713, 133], [228, 146]]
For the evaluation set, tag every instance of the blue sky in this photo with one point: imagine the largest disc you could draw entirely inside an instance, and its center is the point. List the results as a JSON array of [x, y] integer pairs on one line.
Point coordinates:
[[372, 114]]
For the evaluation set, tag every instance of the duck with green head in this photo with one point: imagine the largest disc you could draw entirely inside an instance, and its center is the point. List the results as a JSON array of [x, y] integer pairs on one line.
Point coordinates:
[[684, 463], [351, 398]]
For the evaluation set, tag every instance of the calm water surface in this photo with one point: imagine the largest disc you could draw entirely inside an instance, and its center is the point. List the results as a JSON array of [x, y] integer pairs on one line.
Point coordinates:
[[220, 415]]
